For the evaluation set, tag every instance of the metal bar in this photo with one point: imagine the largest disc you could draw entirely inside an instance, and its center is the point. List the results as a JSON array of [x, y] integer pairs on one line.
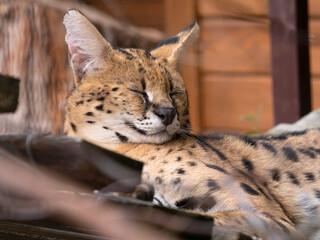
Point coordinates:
[[290, 59]]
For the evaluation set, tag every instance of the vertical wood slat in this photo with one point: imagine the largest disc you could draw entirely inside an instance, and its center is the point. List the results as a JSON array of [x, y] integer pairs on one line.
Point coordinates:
[[177, 15], [290, 59]]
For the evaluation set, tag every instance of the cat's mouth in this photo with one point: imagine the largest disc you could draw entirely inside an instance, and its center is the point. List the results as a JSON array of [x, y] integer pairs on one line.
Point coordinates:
[[168, 131]]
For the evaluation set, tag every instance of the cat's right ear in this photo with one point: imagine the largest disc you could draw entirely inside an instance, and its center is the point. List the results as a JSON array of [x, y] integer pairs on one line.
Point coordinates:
[[87, 48]]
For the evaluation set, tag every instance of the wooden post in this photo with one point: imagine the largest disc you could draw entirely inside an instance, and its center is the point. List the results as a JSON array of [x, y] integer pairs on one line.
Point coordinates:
[[290, 59], [33, 50], [179, 14]]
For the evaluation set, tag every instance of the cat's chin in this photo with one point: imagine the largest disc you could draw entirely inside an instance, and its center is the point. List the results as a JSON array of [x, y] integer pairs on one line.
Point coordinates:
[[157, 138]]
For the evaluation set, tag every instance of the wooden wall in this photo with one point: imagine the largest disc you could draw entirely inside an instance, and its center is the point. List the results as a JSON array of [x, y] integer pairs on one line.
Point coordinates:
[[228, 73], [235, 62]]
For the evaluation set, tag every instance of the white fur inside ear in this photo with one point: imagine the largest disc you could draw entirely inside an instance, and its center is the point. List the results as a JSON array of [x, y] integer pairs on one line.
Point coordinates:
[[185, 39], [86, 44]]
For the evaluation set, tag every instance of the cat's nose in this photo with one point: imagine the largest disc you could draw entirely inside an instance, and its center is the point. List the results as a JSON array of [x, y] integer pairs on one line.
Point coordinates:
[[165, 114]]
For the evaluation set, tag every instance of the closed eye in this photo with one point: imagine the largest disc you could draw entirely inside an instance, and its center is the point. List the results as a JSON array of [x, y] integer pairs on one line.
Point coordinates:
[[174, 93], [143, 94]]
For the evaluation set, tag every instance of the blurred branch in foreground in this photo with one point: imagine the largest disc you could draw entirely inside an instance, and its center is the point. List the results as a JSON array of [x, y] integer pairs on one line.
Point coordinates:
[[81, 209]]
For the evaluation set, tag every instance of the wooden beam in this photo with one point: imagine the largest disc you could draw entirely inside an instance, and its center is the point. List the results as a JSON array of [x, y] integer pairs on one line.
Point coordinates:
[[179, 14], [290, 59]]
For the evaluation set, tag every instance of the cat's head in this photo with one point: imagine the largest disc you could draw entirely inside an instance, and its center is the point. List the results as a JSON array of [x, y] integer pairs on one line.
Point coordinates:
[[127, 95]]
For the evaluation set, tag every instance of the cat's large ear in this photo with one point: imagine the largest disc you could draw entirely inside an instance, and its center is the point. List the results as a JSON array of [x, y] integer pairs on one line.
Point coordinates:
[[87, 48], [174, 47]]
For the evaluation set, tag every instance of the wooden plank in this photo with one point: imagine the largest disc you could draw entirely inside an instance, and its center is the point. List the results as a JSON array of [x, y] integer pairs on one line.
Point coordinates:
[[179, 14], [225, 97], [77, 159], [243, 8], [244, 46], [290, 59], [232, 8], [144, 13], [234, 46]]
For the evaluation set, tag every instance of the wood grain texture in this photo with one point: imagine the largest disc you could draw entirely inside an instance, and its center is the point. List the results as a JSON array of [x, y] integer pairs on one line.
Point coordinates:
[[144, 13], [32, 49], [243, 8], [226, 97], [229, 45]]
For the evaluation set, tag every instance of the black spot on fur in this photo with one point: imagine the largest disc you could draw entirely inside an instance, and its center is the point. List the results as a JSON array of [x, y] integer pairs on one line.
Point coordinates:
[[158, 180], [248, 140], [248, 189], [307, 153], [100, 99], [292, 178], [141, 70], [187, 203], [192, 164], [148, 55], [99, 107], [247, 164], [105, 127], [279, 137], [190, 153], [317, 150], [91, 122], [309, 176], [317, 193], [177, 181], [275, 174], [298, 133], [128, 55], [181, 171], [290, 154], [215, 167], [109, 111], [92, 94], [121, 137], [89, 114], [79, 102], [207, 203], [212, 184], [269, 147], [193, 146], [114, 89], [89, 100], [178, 159], [74, 127], [169, 41]]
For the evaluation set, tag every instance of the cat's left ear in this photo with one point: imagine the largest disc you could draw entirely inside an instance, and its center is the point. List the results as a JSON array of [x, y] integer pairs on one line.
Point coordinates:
[[174, 47]]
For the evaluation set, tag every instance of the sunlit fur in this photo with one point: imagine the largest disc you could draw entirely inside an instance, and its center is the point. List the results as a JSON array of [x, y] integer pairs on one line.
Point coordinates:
[[112, 86], [266, 186]]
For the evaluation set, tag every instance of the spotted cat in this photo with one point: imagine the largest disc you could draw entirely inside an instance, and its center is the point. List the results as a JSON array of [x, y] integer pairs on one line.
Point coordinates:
[[134, 102]]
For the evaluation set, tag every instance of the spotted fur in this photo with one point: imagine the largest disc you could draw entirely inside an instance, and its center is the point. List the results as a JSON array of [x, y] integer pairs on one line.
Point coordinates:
[[134, 102]]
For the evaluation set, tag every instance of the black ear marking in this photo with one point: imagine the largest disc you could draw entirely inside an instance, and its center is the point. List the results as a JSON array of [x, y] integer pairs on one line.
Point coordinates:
[[190, 26], [169, 41]]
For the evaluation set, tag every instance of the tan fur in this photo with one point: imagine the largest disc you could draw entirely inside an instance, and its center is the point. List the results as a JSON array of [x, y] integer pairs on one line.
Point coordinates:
[[266, 186]]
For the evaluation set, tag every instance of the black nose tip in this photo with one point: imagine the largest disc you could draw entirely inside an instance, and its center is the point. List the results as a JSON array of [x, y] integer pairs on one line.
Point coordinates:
[[166, 115]]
